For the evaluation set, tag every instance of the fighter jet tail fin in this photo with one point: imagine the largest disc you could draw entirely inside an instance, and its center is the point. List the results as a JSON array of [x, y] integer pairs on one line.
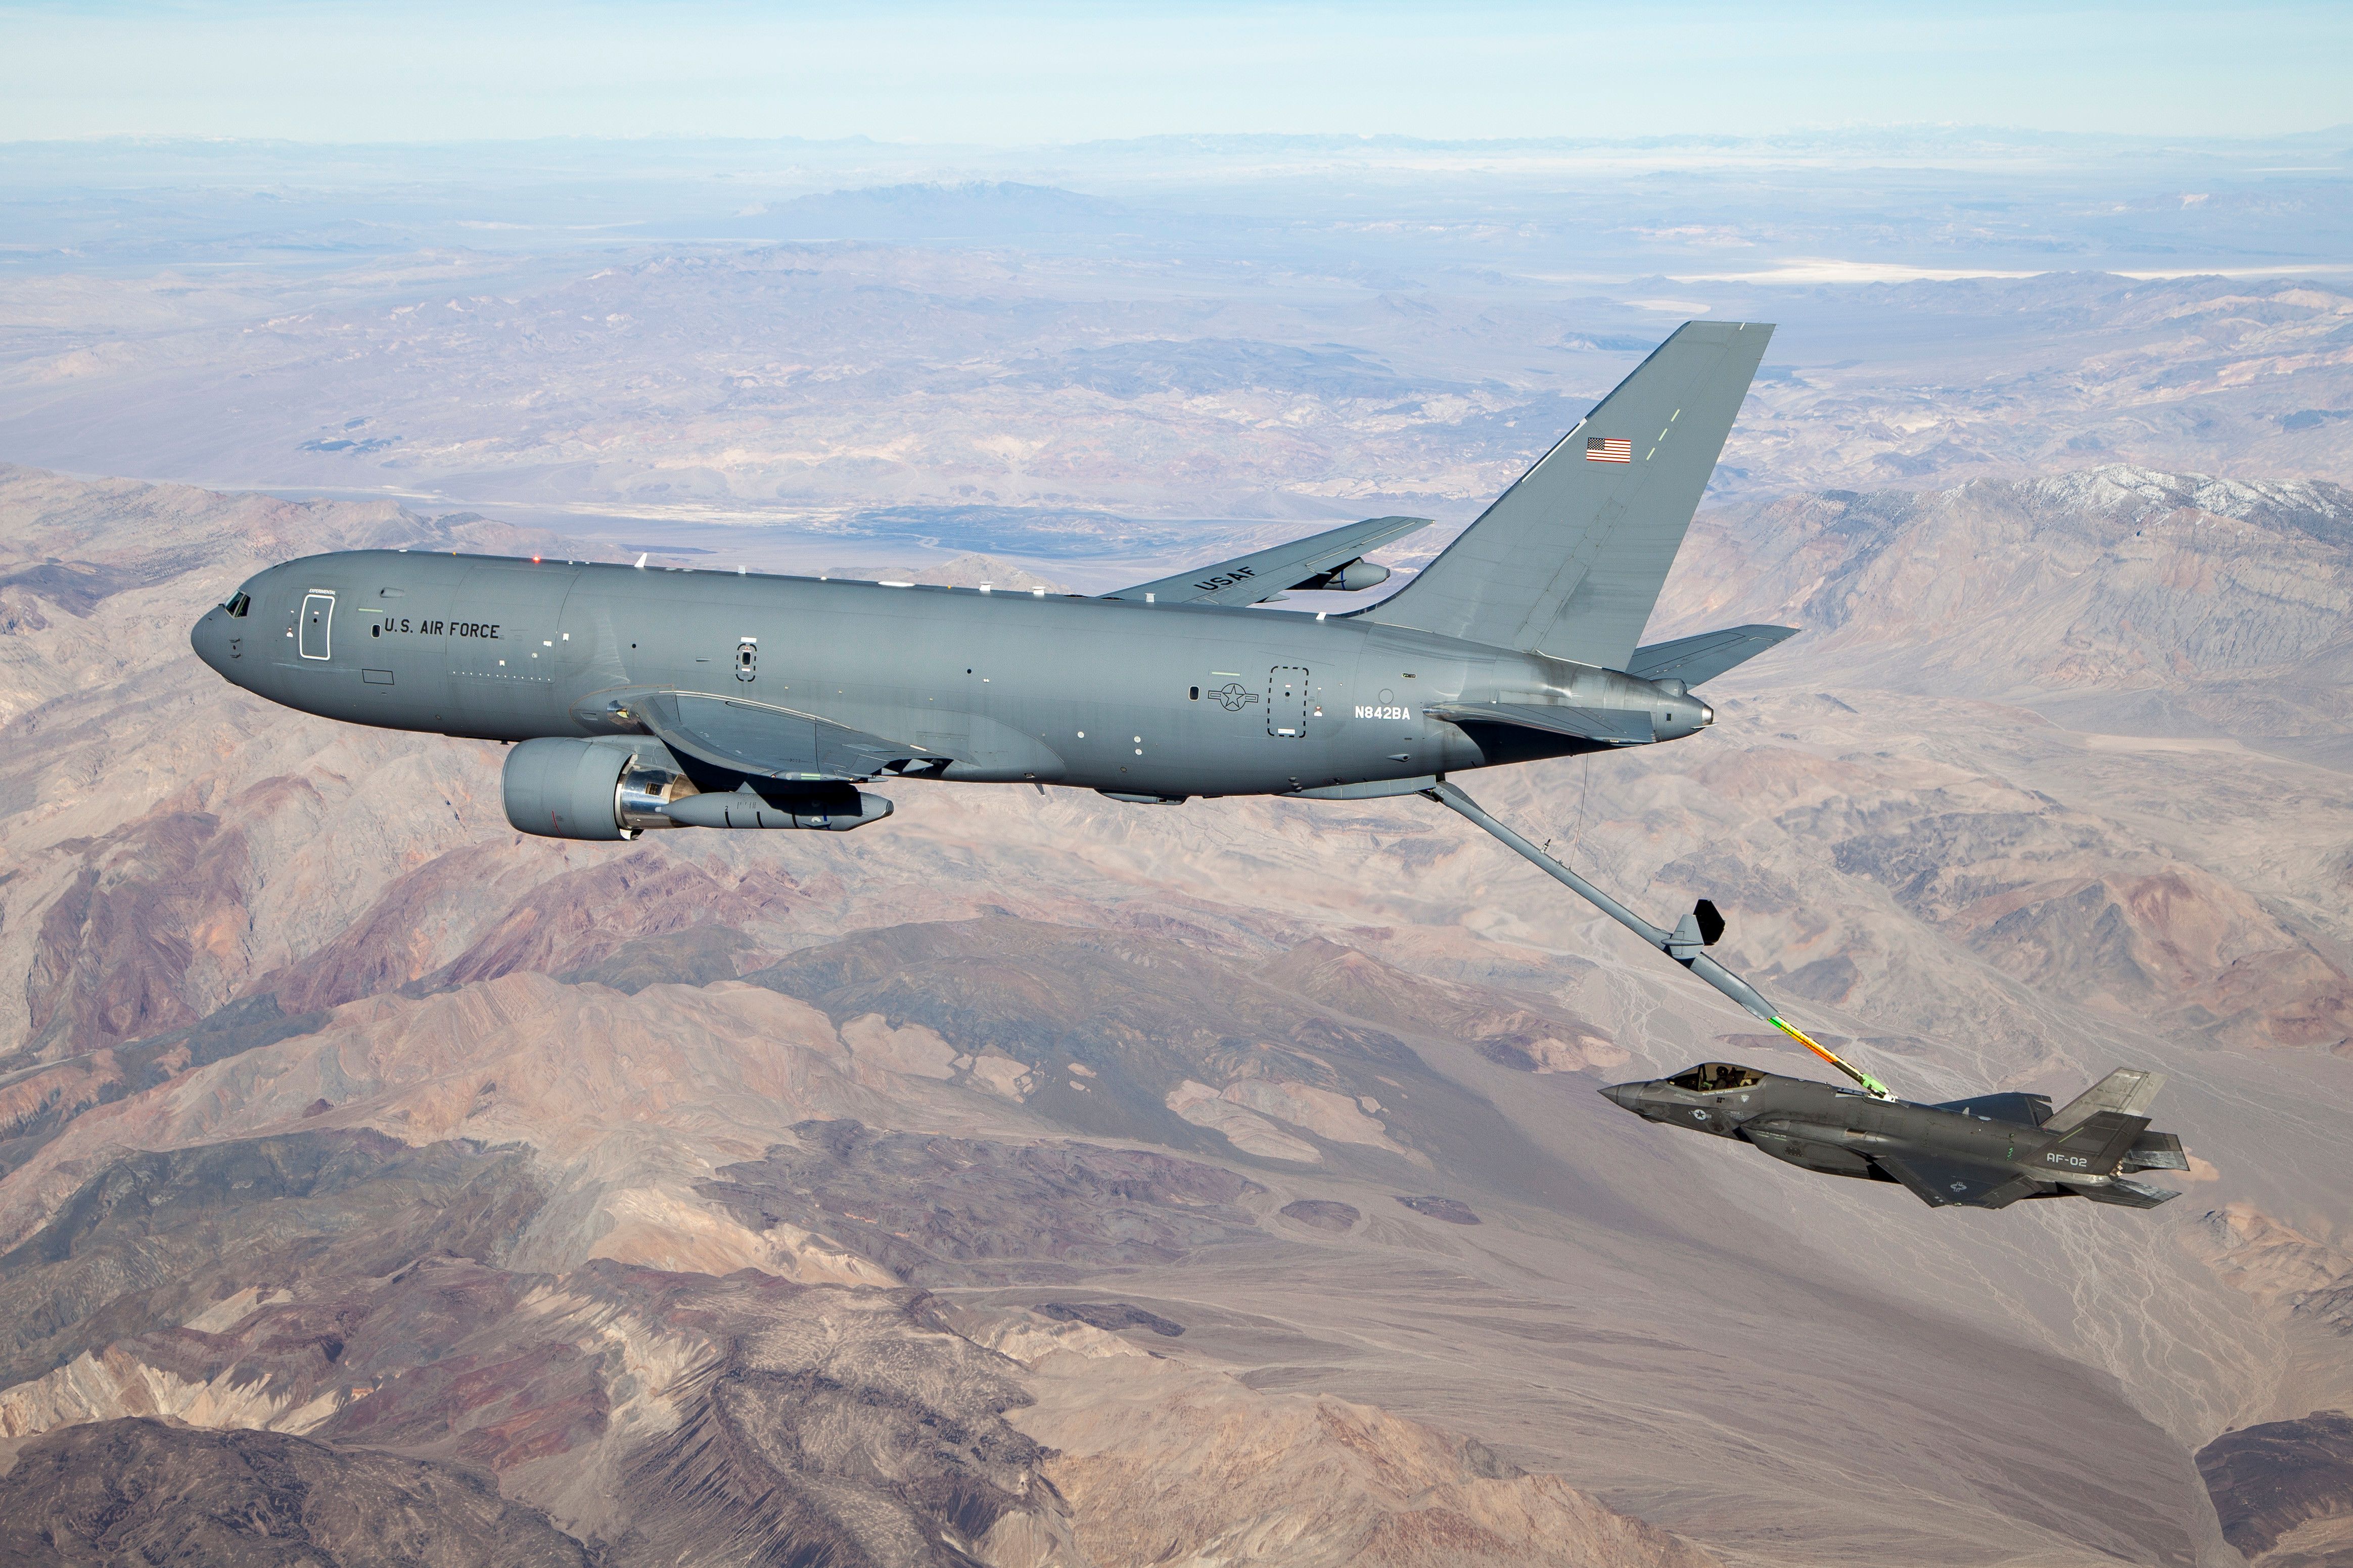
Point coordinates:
[[2129, 1091], [2100, 1141], [1569, 561]]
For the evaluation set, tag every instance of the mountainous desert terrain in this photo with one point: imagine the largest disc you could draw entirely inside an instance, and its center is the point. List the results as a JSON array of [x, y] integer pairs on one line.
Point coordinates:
[[1049, 1181], [1032, 1179]]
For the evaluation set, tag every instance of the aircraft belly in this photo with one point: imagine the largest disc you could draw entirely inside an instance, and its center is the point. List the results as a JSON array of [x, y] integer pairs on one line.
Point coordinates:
[[1811, 1154], [987, 752]]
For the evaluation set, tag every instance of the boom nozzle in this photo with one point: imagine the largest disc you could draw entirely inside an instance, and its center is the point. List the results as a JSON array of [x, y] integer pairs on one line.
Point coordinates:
[[1870, 1084], [1686, 944]]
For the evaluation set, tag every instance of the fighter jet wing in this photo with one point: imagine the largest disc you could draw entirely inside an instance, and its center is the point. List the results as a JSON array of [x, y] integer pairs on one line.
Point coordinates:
[[1248, 579], [1940, 1183], [1614, 726], [768, 742], [1704, 658]]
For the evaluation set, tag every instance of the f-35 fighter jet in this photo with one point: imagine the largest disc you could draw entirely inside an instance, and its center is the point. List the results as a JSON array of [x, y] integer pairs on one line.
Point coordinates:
[[1984, 1153]]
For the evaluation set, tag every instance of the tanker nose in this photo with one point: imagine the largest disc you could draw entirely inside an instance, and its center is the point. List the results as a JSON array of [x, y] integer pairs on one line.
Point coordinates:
[[214, 637], [205, 638]]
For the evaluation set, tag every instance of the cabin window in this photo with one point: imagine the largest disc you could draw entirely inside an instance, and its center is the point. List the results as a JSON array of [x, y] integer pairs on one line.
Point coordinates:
[[1715, 1078], [1197, 693]]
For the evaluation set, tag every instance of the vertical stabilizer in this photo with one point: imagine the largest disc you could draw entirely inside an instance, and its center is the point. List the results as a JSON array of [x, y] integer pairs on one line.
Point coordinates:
[[2128, 1091], [1570, 559], [2101, 1140]]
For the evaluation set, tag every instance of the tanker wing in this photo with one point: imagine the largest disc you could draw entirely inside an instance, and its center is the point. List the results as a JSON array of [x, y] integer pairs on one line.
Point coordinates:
[[767, 741], [1319, 560]]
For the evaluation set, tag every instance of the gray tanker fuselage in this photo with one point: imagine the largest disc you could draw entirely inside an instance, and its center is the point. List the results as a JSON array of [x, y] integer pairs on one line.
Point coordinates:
[[1164, 701], [636, 696]]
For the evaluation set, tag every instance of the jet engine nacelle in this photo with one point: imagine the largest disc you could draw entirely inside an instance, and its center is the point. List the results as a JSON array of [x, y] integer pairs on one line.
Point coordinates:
[[591, 789], [610, 789]]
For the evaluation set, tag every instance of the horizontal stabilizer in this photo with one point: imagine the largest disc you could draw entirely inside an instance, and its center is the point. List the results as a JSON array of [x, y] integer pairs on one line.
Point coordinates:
[[1693, 659], [1611, 726], [2129, 1091], [1940, 1183], [2126, 1195], [2155, 1151], [1249, 579], [764, 741]]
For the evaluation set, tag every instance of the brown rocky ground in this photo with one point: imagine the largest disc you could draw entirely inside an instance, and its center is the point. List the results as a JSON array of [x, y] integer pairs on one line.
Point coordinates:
[[707, 1195], [144, 1491], [2285, 1489]]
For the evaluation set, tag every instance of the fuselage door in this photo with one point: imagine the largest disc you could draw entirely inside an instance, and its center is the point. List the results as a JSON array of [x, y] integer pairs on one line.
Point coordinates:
[[314, 634], [1286, 701]]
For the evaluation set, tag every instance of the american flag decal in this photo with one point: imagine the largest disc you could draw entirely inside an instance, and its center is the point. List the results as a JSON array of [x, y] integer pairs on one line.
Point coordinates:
[[1607, 449]]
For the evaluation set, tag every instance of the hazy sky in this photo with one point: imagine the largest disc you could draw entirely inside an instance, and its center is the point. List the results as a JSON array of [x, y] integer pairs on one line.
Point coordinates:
[[1025, 72]]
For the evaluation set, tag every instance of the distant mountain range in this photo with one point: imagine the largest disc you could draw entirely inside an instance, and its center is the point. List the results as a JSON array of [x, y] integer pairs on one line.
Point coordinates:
[[974, 209]]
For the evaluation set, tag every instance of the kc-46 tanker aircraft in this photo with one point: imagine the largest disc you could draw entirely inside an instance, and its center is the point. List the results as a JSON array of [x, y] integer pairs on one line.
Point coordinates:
[[639, 700]]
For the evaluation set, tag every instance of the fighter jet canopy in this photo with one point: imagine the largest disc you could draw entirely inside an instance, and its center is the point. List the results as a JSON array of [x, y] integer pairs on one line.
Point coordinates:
[[1710, 1077]]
